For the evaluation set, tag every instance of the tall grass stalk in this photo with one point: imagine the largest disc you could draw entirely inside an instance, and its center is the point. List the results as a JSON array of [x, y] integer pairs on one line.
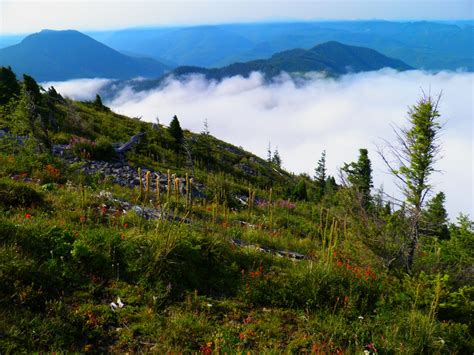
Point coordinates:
[[168, 187]]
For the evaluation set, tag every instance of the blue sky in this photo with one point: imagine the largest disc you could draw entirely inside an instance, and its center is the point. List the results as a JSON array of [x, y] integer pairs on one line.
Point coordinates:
[[18, 16]]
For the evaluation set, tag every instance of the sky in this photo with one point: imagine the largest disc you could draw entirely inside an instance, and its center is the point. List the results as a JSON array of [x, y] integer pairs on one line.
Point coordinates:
[[18, 16], [339, 116]]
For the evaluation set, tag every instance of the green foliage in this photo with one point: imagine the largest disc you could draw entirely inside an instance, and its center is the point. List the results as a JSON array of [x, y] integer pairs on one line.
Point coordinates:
[[359, 175], [415, 157], [299, 191], [13, 195], [320, 176], [216, 276], [177, 134], [420, 150], [435, 218], [9, 86], [101, 149]]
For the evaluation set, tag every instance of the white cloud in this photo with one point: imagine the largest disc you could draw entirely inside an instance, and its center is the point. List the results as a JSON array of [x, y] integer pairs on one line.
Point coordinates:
[[78, 89], [339, 116]]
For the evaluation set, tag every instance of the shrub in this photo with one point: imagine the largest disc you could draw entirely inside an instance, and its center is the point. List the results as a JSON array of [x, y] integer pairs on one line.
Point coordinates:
[[101, 149], [14, 195]]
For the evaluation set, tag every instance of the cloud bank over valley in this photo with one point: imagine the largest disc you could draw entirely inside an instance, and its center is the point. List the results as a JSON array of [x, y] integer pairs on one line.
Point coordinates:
[[337, 115]]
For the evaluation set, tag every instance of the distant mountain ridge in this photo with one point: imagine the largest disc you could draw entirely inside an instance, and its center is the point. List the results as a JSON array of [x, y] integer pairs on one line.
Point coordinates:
[[330, 58], [431, 45], [62, 55]]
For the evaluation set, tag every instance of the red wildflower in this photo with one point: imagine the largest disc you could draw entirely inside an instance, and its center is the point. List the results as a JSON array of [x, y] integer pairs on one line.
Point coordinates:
[[242, 336], [28, 216], [207, 349], [125, 225]]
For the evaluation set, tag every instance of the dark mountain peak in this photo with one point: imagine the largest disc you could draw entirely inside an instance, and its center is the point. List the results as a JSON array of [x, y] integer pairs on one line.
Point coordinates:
[[68, 54]]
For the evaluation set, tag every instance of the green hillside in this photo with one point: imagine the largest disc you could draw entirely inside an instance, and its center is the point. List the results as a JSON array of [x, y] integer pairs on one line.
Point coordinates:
[[181, 242], [62, 55]]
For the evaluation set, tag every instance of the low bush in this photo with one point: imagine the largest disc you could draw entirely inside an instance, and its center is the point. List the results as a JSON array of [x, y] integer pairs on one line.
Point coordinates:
[[13, 195]]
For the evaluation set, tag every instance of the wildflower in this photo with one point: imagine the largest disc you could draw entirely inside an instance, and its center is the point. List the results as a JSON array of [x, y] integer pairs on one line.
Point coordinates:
[[28, 216], [207, 349], [83, 219], [119, 302], [339, 263], [103, 210], [125, 225], [360, 317], [242, 336], [209, 305], [371, 347]]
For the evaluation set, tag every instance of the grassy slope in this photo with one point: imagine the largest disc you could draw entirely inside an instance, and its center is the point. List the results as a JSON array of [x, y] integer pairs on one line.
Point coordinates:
[[66, 252]]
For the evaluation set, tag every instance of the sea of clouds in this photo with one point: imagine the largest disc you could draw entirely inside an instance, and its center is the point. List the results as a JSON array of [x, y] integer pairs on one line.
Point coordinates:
[[301, 120]]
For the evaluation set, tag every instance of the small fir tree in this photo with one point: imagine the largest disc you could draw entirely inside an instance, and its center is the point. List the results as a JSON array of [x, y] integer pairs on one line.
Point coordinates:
[[177, 134], [276, 158], [435, 218], [359, 175], [320, 176], [9, 86]]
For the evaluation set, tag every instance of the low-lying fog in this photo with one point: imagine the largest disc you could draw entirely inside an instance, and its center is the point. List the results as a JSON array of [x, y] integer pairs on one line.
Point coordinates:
[[336, 115]]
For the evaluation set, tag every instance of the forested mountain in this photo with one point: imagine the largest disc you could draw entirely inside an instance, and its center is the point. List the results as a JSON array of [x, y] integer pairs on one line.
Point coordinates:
[[330, 59], [422, 44], [62, 55]]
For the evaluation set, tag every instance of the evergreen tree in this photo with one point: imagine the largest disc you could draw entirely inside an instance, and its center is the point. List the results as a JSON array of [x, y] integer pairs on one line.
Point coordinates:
[[9, 86], [269, 153], [177, 134], [53, 94], [412, 161], [98, 102], [359, 175], [320, 176], [32, 88], [435, 218], [276, 158]]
